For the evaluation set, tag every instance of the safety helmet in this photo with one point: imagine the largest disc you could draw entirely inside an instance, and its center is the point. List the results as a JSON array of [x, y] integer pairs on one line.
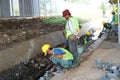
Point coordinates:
[[103, 22], [113, 10], [45, 47], [66, 12], [88, 33]]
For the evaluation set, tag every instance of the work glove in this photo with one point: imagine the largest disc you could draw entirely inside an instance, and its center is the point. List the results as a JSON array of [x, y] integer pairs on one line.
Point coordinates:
[[78, 35]]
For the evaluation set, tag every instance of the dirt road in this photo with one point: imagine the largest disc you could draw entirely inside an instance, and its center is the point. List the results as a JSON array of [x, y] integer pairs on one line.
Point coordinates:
[[107, 51]]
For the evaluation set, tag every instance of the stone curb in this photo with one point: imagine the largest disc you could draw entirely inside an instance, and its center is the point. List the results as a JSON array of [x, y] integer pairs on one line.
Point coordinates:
[[97, 43]]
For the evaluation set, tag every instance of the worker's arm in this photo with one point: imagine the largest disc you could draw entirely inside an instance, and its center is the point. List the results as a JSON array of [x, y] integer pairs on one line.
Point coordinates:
[[56, 55], [59, 56]]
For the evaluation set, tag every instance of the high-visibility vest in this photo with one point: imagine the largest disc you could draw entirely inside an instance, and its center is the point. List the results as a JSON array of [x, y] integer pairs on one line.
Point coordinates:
[[67, 55], [115, 21], [75, 26]]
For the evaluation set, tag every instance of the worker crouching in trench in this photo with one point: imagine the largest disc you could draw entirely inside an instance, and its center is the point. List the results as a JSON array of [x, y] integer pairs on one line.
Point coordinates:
[[60, 57]]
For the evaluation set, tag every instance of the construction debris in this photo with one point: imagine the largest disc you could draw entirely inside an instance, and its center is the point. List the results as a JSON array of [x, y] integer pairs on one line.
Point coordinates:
[[112, 72], [30, 71]]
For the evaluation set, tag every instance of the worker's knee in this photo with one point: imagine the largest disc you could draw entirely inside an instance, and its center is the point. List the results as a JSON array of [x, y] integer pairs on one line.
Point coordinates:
[[55, 60], [66, 64]]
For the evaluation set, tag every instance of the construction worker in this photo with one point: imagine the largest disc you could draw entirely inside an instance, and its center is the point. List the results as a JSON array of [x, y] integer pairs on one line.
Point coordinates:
[[72, 31], [114, 22], [60, 57], [106, 27], [88, 35]]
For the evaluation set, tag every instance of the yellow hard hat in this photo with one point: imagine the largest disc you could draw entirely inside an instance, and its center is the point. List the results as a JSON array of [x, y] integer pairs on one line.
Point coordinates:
[[45, 47], [88, 33], [113, 10], [103, 22]]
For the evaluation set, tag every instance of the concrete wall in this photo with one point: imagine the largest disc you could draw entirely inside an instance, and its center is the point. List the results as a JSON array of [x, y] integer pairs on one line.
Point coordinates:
[[5, 8], [26, 50]]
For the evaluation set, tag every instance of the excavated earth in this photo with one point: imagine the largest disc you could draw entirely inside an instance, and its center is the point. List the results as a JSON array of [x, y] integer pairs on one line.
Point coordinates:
[[14, 31]]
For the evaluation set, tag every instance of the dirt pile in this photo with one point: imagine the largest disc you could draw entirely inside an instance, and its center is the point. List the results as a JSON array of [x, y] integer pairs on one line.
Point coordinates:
[[13, 31], [35, 68]]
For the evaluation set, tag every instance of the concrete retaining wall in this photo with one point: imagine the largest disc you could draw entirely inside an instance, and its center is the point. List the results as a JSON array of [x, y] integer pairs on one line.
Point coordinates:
[[26, 50]]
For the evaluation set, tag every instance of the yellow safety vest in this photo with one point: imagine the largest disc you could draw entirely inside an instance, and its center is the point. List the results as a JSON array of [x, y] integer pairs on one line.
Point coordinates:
[[75, 26], [67, 55]]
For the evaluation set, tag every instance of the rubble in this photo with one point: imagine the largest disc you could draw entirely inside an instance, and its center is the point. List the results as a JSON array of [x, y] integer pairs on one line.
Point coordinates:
[[112, 72], [35, 68]]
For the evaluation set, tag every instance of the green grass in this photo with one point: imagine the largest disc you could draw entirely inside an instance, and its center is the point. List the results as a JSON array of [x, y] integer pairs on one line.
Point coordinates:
[[60, 19], [56, 19]]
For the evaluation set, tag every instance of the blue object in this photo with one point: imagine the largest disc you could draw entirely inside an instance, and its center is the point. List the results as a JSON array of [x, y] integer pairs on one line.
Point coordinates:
[[58, 51]]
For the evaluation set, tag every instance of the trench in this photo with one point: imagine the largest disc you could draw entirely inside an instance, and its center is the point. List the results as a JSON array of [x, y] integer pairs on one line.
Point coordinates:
[[25, 61], [33, 70]]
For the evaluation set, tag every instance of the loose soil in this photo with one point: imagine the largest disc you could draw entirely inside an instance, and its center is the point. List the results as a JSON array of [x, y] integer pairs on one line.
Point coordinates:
[[107, 51], [12, 33], [15, 31]]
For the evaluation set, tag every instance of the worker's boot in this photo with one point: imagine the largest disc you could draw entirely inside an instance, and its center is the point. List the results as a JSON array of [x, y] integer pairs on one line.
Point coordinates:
[[75, 63], [58, 69], [55, 70]]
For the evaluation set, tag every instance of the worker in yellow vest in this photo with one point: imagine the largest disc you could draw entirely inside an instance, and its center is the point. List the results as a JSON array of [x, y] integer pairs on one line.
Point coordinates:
[[60, 57], [114, 21], [72, 31]]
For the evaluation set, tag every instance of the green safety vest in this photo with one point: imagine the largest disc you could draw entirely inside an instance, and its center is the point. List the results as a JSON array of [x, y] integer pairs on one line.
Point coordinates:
[[75, 25], [67, 55], [115, 19]]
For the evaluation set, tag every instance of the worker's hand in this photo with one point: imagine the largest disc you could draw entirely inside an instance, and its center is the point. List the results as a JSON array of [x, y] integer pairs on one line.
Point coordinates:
[[59, 56], [78, 35], [51, 57]]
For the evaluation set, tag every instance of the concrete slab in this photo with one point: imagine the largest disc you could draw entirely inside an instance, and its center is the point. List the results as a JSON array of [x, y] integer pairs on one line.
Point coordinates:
[[28, 49], [97, 43]]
